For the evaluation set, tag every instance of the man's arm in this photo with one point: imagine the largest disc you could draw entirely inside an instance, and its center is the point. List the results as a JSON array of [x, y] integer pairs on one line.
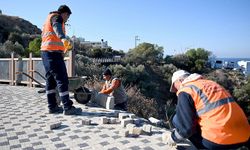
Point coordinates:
[[115, 84], [185, 119], [56, 22]]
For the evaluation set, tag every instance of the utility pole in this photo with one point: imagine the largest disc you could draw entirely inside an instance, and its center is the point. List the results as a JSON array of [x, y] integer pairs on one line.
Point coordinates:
[[136, 39]]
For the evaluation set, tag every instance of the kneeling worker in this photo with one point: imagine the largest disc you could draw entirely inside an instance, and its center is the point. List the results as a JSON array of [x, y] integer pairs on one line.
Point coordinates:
[[206, 114], [114, 87]]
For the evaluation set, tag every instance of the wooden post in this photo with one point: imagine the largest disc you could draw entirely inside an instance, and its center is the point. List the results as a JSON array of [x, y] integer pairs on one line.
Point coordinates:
[[71, 63], [19, 68], [30, 67], [12, 69]]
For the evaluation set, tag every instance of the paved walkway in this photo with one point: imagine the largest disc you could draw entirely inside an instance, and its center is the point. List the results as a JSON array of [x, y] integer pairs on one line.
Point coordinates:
[[24, 125]]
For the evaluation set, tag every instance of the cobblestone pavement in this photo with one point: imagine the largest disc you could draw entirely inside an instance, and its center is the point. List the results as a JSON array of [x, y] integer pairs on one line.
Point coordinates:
[[24, 124]]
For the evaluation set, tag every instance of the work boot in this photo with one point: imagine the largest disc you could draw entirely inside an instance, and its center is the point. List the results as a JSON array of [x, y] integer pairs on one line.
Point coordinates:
[[73, 111], [56, 110]]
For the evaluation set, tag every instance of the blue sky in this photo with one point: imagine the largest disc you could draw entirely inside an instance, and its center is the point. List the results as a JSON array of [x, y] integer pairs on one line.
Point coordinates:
[[220, 26]]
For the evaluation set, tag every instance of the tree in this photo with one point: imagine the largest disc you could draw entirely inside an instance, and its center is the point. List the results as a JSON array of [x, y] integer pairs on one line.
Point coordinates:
[[34, 46], [181, 61], [198, 59], [145, 53], [17, 48], [15, 37]]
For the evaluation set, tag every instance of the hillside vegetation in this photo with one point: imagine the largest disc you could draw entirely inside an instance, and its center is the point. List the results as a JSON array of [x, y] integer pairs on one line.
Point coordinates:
[[145, 72], [15, 35]]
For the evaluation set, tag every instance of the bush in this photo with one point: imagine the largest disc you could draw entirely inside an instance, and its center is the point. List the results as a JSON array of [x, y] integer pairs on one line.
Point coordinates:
[[140, 105]]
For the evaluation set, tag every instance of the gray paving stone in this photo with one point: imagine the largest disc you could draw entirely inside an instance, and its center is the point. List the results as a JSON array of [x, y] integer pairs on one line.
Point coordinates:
[[148, 148], [74, 137], [114, 148], [104, 143], [23, 126], [60, 145], [28, 148], [85, 137], [4, 143], [125, 142], [55, 139], [43, 137], [24, 140], [82, 145]]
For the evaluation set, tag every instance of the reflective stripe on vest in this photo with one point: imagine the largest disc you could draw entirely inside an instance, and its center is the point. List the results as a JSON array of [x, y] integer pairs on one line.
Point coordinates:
[[44, 35], [207, 105], [220, 118], [50, 41]]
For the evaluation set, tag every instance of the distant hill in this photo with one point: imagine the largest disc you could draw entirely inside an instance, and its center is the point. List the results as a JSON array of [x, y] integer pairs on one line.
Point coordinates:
[[14, 24]]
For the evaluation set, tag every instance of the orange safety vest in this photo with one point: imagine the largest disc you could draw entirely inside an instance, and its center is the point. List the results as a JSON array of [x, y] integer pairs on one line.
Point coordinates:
[[221, 119], [50, 41]]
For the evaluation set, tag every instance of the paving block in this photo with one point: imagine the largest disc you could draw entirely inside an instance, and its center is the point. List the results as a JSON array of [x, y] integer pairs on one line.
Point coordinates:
[[104, 120], [86, 122], [155, 121], [110, 103], [130, 125], [126, 121], [113, 120], [147, 129], [54, 125], [135, 131], [132, 116], [124, 133], [101, 99], [122, 116], [165, 138]]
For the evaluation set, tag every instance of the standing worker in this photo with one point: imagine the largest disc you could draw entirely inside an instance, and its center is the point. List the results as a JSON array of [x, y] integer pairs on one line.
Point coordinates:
[[114, 87], [206, 114], [54, 45]]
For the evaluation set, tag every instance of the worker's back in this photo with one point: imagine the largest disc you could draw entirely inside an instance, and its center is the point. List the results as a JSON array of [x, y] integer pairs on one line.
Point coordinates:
[[221, 119]]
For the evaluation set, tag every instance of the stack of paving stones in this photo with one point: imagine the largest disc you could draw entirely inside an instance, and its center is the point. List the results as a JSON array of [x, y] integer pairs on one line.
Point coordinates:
[[26, 125]]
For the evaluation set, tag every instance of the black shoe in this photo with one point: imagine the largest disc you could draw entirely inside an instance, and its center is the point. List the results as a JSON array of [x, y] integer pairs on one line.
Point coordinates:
[[56, 110], [73, 111]]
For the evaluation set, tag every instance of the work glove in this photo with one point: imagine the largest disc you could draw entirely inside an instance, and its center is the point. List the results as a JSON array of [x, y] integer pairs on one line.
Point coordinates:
[[167, 138], [67, 45]]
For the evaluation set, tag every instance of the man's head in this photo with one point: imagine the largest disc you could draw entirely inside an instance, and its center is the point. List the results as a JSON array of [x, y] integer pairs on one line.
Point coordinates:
[[177, 78], [107, 74], [65, 12]]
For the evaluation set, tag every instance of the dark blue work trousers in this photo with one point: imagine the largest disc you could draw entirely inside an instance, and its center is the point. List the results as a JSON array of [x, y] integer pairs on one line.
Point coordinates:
[[56, 76]]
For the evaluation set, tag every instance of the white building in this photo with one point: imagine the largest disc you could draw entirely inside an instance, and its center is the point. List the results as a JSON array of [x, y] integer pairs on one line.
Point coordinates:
[[244, 66], [101, 44]]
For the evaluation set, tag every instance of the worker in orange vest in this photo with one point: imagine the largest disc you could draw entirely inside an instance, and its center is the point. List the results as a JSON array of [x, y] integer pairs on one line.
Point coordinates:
[[54, 45], [206, 114]]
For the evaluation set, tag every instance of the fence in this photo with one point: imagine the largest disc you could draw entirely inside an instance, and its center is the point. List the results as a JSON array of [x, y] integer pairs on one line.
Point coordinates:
[[11, 69], [107, 60]]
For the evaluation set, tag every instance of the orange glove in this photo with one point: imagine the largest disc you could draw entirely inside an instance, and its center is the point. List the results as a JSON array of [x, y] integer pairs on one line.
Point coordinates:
[[67, 44]]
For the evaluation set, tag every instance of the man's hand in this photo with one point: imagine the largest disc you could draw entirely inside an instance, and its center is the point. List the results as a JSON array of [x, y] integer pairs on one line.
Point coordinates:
[[67, 44], [166, 138]]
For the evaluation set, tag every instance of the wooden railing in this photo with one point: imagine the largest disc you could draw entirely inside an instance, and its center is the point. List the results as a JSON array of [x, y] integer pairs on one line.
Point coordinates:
[[106, 60], [21, 70]]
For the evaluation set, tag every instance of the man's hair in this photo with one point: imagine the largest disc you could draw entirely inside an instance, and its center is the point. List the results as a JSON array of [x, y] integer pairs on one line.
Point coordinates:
[[107, 72], [63, 9]]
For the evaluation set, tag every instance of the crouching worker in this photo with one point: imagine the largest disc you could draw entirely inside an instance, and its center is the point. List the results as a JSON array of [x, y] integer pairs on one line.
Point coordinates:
[[206, 114], [114, 87]]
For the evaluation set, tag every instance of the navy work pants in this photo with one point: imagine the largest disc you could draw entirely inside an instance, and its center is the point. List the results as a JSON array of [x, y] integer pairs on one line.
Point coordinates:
[[56, 76]]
